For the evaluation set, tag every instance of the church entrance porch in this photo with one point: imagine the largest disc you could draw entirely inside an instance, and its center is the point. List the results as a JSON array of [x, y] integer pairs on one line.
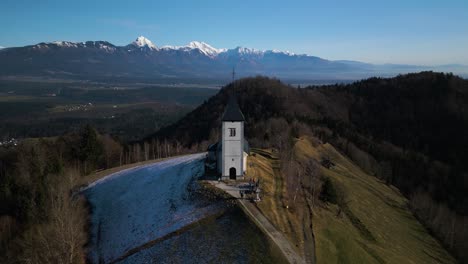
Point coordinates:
[[232, 173]]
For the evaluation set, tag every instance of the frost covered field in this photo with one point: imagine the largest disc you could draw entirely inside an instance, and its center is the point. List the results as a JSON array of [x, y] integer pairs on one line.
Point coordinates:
[[135, 206]]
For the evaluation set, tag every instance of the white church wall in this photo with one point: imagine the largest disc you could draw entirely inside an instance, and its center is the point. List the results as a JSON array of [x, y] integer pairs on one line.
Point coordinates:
[[232, 162], [232, 148], [237, 125]]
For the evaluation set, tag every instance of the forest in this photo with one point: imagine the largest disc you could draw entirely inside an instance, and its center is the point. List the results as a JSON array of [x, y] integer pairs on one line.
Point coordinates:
[[39, 211]]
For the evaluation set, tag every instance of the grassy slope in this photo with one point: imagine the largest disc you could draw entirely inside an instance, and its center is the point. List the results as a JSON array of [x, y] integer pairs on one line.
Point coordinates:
[[376, 227]]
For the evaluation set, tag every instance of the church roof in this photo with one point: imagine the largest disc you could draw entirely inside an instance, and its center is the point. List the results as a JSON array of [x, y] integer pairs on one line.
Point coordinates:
[[213, 147], [233, 112]]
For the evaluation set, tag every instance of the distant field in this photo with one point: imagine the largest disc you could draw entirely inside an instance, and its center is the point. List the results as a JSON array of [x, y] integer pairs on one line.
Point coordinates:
[[130, 111], [372, 223]]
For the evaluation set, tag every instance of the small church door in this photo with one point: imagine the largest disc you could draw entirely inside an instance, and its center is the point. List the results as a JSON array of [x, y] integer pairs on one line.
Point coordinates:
[[232, 173]]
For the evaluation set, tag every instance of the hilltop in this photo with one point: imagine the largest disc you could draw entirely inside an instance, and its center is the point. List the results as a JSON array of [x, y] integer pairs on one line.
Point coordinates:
[[393, 128]]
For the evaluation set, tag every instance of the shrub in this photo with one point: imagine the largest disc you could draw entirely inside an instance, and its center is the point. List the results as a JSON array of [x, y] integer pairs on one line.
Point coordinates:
[[328, 193]]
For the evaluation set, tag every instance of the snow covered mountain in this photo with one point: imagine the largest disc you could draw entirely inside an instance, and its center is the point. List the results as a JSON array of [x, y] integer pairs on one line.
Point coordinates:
[[143, 44], [141, 59], [204, 48]]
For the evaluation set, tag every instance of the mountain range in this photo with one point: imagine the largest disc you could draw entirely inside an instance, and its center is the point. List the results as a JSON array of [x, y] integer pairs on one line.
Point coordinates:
[[143, 60]]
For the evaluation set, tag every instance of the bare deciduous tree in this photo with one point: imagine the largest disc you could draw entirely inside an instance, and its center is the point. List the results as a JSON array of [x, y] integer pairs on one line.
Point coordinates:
[[60, 239]]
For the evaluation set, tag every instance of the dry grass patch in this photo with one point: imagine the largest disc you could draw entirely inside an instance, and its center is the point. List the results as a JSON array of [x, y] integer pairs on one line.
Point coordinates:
[[263, 165]]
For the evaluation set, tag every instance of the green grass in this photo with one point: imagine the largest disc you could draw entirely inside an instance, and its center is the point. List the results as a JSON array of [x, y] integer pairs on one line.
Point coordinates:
[[371, 223]]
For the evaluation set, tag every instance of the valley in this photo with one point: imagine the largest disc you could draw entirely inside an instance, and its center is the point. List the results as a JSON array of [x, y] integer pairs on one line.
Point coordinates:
[[44, 109]]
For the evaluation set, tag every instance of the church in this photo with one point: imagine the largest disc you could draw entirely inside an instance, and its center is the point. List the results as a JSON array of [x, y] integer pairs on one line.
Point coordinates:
[[228, 157]]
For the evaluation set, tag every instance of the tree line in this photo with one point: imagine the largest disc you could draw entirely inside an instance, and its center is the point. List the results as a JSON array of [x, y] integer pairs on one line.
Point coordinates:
[[41, 218]]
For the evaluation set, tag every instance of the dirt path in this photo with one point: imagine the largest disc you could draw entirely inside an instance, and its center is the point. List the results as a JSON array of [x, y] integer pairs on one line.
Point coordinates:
[[277, 237]]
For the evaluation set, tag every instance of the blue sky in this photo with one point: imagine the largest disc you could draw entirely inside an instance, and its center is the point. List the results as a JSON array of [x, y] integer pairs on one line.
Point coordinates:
[[413, 32]]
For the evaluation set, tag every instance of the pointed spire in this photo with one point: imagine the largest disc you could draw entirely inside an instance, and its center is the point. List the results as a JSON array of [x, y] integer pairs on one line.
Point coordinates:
[[233, 112]]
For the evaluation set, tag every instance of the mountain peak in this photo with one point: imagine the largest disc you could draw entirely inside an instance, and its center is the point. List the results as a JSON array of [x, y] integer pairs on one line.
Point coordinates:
[[68, 44], [287, 52], [144, 42], [205, 48]]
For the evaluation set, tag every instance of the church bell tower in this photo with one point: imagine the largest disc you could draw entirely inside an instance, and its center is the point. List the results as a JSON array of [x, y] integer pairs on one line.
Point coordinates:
[[232, 164]]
